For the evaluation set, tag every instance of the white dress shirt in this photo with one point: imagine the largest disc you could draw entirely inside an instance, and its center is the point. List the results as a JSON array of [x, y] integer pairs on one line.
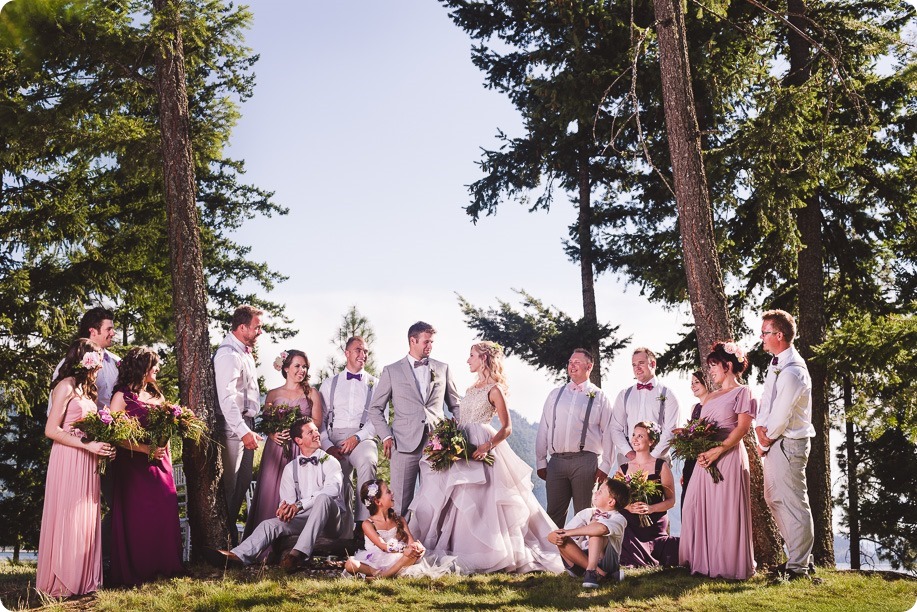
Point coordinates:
[[643, 405], [345, 409], [237, 384], [786, 401], [560, 432], [421, 374], [325, 477], [105, 379]]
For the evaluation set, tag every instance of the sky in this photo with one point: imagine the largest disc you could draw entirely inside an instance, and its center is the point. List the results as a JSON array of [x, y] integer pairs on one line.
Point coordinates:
[[367, 121]]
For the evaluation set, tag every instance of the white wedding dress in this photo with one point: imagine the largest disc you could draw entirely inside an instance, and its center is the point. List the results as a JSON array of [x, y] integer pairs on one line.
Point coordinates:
[[486, 516]]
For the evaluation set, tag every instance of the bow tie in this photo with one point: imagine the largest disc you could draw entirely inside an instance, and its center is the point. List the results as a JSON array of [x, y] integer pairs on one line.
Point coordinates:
[[305, 460], [248, 349], [647, 386], [421, 362], [352, 376], [105, 356], [774, 361], [597, 514]]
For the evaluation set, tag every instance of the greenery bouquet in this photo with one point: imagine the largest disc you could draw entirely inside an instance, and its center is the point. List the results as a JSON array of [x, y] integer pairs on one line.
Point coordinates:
[[110, 428], [696, 437], [275, 418], [641, 489], [448, 444], [167, 420]]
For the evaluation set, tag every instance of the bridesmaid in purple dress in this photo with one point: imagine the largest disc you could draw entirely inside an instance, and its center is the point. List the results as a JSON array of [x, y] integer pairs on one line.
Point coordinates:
[[146, 538], [296, 391], [700, 391], [70, 542], [716, 522]]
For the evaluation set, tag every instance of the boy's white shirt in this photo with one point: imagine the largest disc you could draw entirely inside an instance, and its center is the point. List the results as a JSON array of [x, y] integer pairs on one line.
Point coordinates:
[[615, 523]]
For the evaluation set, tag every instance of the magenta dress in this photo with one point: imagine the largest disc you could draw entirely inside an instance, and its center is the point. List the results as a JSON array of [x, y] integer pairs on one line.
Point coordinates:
[[70, 543], [716, 519], [145, 533], [648, 546], [267, 491]]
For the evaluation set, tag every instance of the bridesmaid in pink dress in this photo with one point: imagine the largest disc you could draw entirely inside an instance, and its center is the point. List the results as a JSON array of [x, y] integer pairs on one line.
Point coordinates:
[[296, 391], [70, 543], [716, 520]]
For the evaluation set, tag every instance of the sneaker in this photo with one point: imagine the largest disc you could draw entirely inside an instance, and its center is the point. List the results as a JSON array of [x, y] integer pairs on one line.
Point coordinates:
[[569, 568], [591, 579]]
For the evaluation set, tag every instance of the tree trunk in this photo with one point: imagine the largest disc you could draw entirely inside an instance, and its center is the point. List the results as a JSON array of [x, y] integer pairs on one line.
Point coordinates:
[[587, 271], [853, 483], [16, 548], [206, 510], [811, 286], [695, 218]]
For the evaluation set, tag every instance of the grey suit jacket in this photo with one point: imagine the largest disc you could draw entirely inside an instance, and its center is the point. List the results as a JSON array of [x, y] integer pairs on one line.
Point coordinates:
[[412, 415]]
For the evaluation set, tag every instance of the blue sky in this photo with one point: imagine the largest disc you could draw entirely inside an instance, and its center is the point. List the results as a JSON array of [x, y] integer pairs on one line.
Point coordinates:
[[367, 120]]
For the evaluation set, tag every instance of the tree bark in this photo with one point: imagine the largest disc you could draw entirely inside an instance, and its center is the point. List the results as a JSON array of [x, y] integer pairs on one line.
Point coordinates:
[[206, 510], [853, 483], [695, 217], [587, 271], [812, 326]]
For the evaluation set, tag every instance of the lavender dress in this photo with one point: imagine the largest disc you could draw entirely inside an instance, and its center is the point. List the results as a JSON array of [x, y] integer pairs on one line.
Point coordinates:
[[716, 519], [267, 491], [146, 538]]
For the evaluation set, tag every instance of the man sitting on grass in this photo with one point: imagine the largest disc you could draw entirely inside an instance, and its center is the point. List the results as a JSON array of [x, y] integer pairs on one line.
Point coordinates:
[[590, 544]]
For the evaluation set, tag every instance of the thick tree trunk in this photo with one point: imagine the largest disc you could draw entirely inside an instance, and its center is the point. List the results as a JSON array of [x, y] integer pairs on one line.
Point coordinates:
[[206, 510], [811, 286], [853, 483], [695, 218], [587, 271]]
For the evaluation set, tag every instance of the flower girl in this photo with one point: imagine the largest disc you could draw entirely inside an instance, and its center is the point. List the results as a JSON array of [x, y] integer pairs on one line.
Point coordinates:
[[390, 547]]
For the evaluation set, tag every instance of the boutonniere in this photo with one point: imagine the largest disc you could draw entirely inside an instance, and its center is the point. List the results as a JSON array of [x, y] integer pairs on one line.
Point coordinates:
[[324, 458], [371, 383], [776, 372], [591, 394], [432, 376], [661, 397]]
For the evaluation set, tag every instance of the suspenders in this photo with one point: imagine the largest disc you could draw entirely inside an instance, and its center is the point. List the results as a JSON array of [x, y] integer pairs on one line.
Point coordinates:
[[659, 421], [363, 418], [582, 438]]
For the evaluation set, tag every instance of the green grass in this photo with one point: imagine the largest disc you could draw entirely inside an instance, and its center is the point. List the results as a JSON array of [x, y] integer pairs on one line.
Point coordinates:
[[667, 590]]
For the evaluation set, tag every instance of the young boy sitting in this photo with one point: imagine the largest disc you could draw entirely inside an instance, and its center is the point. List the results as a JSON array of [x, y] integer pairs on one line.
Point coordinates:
[[590, 544]]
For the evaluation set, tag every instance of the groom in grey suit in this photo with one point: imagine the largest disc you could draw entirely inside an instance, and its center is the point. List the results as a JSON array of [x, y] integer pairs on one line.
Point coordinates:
[[418, 387]]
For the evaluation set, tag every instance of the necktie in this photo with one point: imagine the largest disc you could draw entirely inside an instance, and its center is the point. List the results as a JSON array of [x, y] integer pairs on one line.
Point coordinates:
[[774, 361], [305, 460], [647, 386], [421, 362], [352, 376]]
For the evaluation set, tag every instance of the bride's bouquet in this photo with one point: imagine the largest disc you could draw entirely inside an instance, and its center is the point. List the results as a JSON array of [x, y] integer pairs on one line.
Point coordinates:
[[448, 444], [641, 489], [108, 427], [167, 420], [697, 437]]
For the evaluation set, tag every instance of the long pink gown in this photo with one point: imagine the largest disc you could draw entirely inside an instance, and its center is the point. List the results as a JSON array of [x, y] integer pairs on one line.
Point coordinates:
[[716, 518], [267, 491], [146, 537], [70, 543]]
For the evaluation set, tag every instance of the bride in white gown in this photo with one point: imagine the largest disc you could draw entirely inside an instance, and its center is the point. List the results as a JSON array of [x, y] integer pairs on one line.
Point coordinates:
[[486, 516]]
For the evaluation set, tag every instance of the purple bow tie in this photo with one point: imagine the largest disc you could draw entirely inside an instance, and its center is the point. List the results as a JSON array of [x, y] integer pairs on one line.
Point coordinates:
[[647, 386], [774, 361], [421, 362], [352, 376], [597, 514], [305, 460]]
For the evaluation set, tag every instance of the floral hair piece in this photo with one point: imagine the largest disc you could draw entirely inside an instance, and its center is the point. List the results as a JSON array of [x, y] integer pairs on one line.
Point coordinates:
[[90, 361], [371, 492], [278, 361], [733, 348], [653, 429]]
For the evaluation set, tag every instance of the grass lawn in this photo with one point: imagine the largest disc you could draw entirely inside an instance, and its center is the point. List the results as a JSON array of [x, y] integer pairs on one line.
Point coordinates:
[[653, 590]]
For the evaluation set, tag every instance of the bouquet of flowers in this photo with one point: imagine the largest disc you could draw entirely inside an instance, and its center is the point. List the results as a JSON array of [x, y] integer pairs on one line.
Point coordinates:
[[696, 437], [275, 418], [447, 444], [167, 420], [641, 489], [110, 428]]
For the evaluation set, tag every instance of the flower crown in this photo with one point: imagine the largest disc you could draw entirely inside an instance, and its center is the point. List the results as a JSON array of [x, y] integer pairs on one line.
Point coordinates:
[[733, 348], [654, 431], [371, 492], [90, 361], [279, 359]]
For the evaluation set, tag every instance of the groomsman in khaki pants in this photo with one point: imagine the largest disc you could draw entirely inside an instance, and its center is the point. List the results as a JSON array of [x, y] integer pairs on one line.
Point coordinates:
[[573, 447], [348, 434], [784, 426], [419, 387]]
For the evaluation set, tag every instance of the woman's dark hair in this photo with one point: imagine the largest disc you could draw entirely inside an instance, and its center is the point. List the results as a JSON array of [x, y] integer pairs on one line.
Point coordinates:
[[720, 355], [134, 367], [370, 502], [701, 377], [72, 366], [306, 387]]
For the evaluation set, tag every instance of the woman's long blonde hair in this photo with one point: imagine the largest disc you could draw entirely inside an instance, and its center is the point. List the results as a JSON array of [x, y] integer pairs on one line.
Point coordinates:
[[492, 354]]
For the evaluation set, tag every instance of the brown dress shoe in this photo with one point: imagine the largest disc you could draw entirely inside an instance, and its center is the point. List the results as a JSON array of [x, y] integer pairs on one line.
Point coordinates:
[[292, 561]]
